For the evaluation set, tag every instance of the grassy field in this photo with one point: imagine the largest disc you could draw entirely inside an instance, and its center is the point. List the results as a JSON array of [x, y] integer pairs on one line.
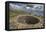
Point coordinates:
[[15, 25]]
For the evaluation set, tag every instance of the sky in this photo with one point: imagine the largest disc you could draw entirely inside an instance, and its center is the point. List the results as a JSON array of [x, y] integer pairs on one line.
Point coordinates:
[[37, 8]]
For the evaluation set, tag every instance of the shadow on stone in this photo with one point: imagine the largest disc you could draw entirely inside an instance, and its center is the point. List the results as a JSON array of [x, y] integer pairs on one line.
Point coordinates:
[[31, 20]]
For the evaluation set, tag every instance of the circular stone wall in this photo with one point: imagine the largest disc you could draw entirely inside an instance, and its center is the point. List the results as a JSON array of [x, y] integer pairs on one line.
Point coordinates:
[[28, 20]]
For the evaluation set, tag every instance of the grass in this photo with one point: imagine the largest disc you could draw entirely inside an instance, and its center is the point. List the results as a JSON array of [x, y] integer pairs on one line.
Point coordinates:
[[15, 13]]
